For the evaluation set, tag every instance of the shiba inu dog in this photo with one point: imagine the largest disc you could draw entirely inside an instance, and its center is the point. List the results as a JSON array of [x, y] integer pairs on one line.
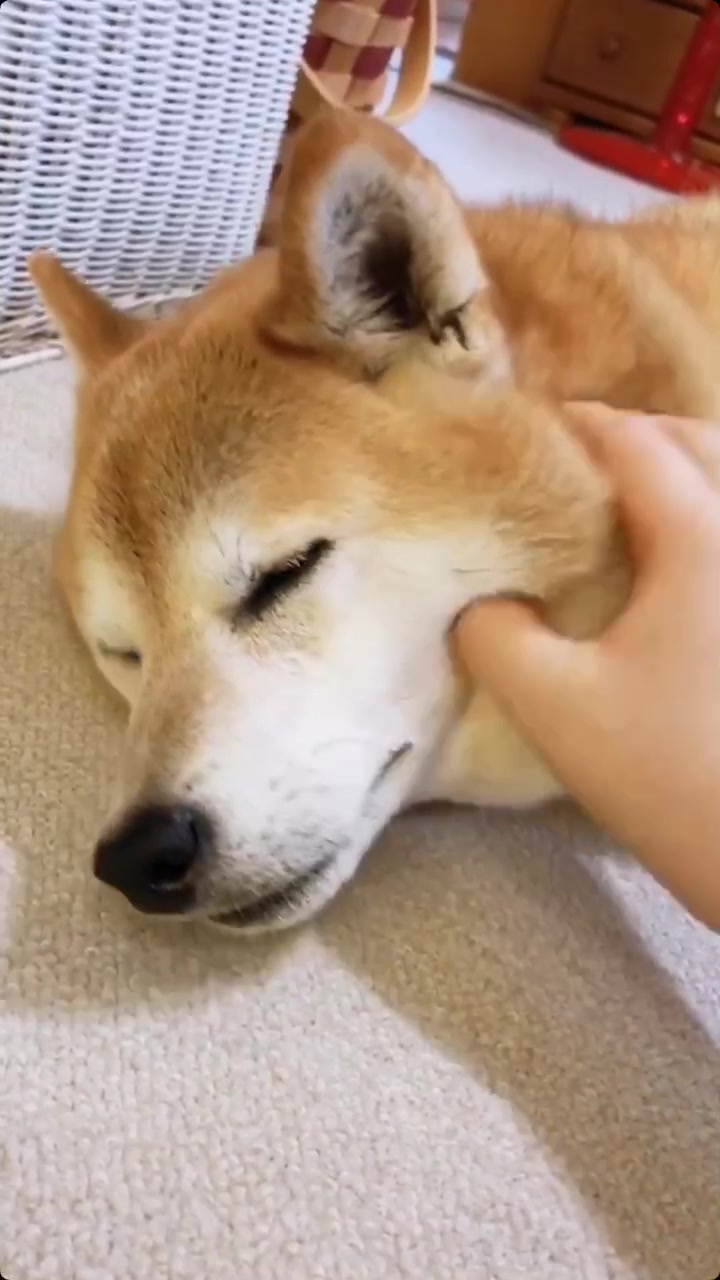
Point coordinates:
[[285, 493]]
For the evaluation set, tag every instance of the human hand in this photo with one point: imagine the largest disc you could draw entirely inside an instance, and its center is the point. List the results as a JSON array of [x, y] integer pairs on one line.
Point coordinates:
[[630, 722]]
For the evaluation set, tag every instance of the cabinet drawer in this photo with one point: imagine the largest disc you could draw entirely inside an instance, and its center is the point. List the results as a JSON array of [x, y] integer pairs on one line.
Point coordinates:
[[623, 51]]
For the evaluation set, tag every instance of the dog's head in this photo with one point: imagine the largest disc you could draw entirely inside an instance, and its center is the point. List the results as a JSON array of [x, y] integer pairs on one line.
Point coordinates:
[[282, 498]]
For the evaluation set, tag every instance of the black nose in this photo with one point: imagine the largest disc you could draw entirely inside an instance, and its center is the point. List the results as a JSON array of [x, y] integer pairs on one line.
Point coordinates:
[[151, 857]]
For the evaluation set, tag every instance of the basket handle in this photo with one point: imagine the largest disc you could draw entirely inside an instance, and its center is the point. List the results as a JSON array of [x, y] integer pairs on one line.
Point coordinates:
[[413, 80]]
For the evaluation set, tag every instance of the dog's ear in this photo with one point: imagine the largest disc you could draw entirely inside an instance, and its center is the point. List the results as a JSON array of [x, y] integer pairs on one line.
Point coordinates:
[[92, 330], [375, 253]]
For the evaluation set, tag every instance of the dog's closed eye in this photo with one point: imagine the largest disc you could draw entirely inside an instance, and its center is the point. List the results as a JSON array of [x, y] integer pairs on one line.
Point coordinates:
[[283, 578]]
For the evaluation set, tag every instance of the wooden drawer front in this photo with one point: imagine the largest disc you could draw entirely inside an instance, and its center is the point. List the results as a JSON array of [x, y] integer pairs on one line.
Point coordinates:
[[624, 51]]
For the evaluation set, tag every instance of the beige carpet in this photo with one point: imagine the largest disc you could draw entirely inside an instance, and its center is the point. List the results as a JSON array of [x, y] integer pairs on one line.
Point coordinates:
[[497, 1056]]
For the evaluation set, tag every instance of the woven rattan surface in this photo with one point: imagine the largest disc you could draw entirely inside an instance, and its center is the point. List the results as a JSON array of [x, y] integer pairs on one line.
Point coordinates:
[[137, 139]]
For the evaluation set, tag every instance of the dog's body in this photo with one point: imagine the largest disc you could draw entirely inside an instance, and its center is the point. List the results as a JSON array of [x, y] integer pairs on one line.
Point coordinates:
[[285, 493]]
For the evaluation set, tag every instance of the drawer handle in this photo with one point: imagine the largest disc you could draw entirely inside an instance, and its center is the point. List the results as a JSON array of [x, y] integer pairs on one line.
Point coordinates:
[[609, 48]]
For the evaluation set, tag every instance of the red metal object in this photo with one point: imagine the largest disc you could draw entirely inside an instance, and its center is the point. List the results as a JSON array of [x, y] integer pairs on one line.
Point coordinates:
[[665, 160]]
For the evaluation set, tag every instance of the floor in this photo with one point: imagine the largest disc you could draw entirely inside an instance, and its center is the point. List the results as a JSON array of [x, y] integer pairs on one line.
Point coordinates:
[[496, 1057], [488, 156]]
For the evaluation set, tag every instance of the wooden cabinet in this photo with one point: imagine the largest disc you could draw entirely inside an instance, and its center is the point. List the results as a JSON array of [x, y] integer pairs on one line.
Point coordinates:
[[607, 60], [607, 49]]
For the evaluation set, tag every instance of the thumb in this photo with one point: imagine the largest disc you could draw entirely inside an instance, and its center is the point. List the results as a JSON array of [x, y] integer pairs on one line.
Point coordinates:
[[528, 667]]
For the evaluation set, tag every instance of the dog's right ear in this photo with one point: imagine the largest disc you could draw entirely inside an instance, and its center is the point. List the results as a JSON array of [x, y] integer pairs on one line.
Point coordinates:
[[92, 330], [376, 257]]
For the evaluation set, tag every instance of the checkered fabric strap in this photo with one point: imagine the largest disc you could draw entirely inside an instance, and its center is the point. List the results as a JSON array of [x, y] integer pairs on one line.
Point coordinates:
[[349, 49]]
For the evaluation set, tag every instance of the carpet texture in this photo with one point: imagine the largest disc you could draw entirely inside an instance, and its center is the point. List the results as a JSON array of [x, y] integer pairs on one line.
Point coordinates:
[[496, 1057]]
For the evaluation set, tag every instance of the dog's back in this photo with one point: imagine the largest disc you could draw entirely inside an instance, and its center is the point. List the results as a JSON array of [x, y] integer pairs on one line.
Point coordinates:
[[627, 313]]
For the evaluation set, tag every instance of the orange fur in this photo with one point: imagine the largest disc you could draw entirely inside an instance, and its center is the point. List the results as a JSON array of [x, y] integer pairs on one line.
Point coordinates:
[[396, 370]]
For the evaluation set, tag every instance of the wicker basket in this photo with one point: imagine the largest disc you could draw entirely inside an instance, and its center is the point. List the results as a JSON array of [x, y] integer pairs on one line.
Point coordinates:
[[346, 64], [137, 140], [349, 49]]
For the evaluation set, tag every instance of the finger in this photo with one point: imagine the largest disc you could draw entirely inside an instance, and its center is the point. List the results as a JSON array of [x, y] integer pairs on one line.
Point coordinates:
[[529, 667], [701, 440], [661, 489], [590, 420]]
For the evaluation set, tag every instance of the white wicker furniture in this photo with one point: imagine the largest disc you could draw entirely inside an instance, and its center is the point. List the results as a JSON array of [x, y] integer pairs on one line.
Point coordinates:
[[137, 139]]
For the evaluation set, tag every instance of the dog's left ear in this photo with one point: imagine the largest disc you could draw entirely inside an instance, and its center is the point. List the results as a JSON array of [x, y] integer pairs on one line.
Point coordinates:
[[92, 330], [375, 254]]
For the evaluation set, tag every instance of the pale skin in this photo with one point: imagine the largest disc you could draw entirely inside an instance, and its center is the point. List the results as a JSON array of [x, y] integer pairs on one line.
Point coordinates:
[[630, 722]]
